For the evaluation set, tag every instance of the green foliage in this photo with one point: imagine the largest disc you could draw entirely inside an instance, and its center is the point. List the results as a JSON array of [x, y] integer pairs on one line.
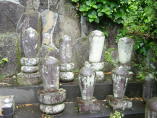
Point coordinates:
[[137, 18], [116, 114], [3, 61], [108, 56]]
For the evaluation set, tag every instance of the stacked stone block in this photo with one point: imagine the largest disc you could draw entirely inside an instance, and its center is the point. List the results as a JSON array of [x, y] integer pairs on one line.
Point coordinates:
[[51, 97], [96, 40]]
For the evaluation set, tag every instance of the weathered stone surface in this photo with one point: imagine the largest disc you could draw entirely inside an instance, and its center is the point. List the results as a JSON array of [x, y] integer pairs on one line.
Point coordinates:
[[97, 66], [66, 76], [80, 52], [96, 40], [67, 66], [50, 73], [29, 79], [91, 106], [52, 109], [125, 49], [66, 49], [45, 51], [120, 77], [11, 12], [87, 82], [68, 26], [52, 97], [30, 43], [49, 22], [119, 104], [29, 61], [99, 76], [30, 19], [9, 49], [29, 69]]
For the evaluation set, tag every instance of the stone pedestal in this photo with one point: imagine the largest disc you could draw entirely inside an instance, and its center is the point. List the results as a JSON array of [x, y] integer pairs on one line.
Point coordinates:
[[29, 74], [51, 97], [52, 101], [119, 104], [91, 106]]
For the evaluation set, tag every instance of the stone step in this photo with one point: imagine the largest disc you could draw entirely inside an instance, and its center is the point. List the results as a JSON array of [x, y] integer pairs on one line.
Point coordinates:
[[28, 94], [71, 112]]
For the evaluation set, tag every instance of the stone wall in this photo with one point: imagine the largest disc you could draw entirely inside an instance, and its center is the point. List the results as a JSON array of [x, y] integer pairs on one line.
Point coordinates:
[[9, 49]]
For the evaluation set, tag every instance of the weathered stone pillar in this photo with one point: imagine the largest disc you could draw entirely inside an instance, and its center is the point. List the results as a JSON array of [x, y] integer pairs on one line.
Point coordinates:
[[151, 108], [51, 97], [67, 65], [87, 103], [96, 40], [121, 74]]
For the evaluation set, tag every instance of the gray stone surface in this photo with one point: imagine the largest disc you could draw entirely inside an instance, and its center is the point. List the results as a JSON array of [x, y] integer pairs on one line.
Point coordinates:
[[29, 69], [52, 109], [10, 13], [9, 49], [91, 106], [97, 66], [99, 76], [66, 49], [29, 61], [50, 73], [52, 97], [49, 22], [66, 76], [28, 78], [87, 82], [30, 42], [67, 67]]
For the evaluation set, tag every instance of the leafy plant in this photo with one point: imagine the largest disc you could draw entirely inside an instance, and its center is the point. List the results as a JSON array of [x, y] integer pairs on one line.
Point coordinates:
[[137, 18], [3, 61], [116, 114]]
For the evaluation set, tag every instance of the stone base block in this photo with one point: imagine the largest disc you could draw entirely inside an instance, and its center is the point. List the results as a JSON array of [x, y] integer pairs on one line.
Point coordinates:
[[91, 106], [119, 104], [99, 76], [29, 78], [29, 69], [66, 76], [67, 67], [97, 66], [29, 61], [52, 109], [52, 97]]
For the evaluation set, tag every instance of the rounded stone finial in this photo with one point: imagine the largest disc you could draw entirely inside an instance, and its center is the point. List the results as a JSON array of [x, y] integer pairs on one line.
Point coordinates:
[[96, 33]]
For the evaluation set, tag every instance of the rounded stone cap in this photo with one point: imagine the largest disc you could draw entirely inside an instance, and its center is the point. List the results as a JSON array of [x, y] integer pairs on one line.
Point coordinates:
[[87, 69], [96, 33], [126, 40], [152, 104]]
